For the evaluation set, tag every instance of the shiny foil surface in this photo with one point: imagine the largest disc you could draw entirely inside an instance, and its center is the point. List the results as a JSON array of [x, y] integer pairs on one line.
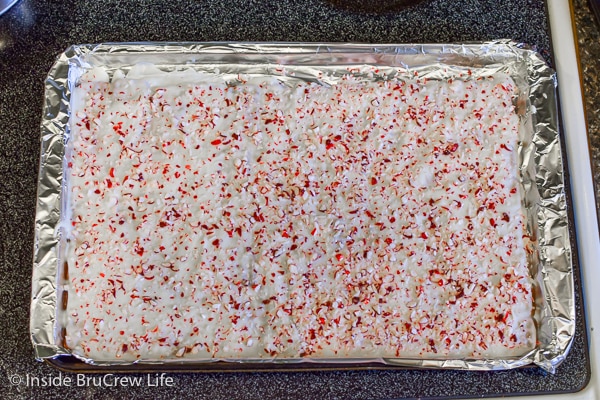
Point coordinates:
[[540, 158]]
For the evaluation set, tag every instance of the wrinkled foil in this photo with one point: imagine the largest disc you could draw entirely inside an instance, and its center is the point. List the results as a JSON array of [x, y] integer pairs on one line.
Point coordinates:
[[540, 156]]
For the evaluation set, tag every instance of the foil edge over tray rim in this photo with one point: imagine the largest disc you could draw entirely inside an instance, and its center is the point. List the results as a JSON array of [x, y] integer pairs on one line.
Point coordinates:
[[551, 209]]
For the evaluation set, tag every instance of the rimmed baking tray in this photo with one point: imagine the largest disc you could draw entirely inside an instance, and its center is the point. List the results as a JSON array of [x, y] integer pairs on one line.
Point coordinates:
[[555, 313]]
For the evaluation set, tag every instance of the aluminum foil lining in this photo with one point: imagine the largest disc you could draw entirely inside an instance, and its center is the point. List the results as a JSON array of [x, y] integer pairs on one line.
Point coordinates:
[[542, 175]]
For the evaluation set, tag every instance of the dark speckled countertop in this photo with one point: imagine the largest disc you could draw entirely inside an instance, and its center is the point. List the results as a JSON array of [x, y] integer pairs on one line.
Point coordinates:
[[588, 41], [35, 32]]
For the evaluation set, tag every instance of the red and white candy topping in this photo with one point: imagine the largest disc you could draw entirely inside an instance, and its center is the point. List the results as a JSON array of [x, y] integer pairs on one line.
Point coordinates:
[[262, 219]]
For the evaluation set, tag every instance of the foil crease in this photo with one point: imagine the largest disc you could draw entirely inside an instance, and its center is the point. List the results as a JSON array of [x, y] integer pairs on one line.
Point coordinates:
[[540, 156]]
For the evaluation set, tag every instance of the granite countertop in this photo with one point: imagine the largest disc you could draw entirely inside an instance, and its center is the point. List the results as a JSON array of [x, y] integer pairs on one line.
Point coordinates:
[[588, 41], [35, 32]]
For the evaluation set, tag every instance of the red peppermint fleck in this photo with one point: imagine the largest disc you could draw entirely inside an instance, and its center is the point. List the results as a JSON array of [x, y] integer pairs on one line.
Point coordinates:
[[451, 148]]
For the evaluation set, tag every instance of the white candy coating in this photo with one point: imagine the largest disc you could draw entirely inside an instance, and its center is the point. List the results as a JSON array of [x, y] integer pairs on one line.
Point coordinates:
[[261, 219]]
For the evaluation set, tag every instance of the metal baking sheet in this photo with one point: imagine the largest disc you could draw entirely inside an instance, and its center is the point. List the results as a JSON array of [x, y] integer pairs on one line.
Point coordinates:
[[542, 173]]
